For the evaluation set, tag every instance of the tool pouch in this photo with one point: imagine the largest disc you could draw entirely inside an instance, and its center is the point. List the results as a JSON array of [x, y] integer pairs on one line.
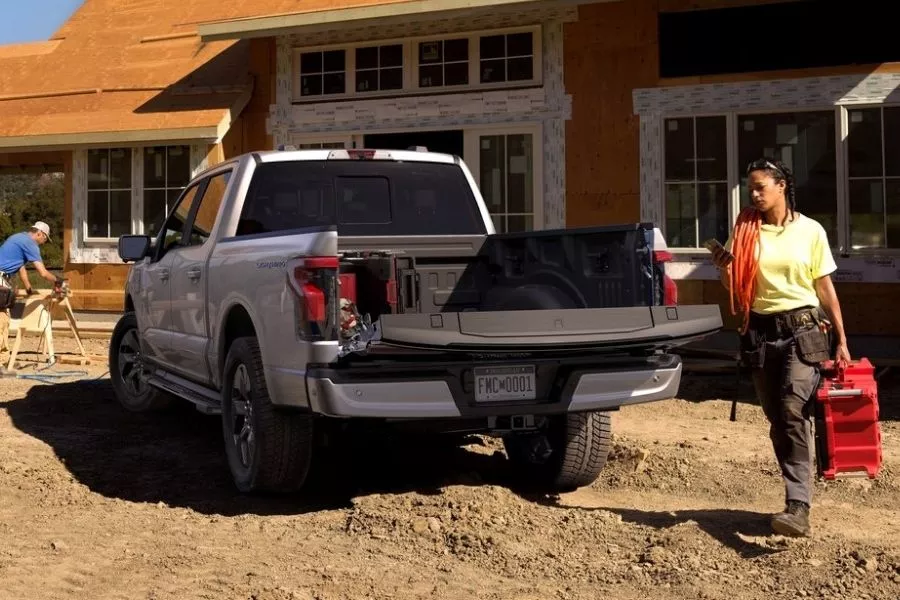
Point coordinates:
[[753, 349], [813, 346], [7, 293]]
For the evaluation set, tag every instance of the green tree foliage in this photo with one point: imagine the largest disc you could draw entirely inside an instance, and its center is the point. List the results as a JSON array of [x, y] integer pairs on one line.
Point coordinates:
[[26, 198]]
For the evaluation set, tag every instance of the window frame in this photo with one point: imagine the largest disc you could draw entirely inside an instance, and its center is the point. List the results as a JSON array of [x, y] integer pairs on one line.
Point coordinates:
[[733, 199], [845, 175], [411, 66], [472, 137], [87, 193], [841, 246], [472, 42], [140, 218], [296, 61], [136, 197]]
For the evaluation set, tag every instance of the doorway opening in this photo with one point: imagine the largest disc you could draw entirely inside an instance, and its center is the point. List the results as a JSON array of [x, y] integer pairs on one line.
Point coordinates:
[[447, 142]]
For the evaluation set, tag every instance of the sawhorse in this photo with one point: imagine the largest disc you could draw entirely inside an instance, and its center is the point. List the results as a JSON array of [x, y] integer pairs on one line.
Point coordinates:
[[37, 318]]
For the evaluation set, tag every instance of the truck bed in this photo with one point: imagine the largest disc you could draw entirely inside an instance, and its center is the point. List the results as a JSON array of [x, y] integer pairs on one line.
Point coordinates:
[[593, 267], [589, 288]]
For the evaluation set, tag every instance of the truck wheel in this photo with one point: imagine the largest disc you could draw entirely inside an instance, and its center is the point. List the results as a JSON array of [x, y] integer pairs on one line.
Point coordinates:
[[268, 449], [126, 369], [568, 454]]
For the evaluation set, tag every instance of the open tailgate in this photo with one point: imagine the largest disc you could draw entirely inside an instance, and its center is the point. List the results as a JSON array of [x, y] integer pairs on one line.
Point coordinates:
[[553, 330]]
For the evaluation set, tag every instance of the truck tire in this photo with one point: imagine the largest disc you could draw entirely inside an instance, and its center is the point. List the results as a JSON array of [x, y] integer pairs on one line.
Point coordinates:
[[268, 449], [126, 370], [568, 454]]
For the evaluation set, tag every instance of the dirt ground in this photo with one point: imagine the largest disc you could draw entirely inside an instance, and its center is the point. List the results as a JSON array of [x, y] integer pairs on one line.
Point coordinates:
[[99, 503]]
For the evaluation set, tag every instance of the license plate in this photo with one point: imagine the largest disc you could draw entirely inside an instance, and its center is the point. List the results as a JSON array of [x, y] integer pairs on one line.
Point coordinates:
[[494, 384]]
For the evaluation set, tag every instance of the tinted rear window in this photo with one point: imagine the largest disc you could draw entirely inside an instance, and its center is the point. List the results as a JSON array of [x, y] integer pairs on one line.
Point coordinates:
[[362, 198]]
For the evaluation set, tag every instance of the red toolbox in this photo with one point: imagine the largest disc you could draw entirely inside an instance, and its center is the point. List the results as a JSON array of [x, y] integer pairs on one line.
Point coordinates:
[[848, 435]]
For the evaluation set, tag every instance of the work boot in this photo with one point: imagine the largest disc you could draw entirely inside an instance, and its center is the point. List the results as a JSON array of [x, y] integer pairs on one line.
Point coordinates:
[[794, 521]]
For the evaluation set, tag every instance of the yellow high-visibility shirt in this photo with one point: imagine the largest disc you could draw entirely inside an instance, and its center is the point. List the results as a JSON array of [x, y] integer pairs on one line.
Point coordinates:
[[792, 258]]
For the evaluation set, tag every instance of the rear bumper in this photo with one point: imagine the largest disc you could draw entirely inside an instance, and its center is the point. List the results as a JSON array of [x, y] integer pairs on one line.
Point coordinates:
[[440, 391]]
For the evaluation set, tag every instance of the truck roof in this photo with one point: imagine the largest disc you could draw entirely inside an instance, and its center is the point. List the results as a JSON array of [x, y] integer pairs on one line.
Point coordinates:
[[411, 155]]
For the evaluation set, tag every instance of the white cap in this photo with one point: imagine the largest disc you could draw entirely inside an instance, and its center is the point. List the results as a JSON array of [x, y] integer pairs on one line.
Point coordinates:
[[43, 227]]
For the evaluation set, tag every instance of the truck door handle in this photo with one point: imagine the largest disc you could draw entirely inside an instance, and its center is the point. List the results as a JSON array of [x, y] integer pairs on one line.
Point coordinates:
[[164, 274], [193, 274]]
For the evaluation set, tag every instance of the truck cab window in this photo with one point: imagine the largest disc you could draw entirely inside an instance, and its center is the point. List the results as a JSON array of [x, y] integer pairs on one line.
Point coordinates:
[[280, 200], [173, 230], [209, 208], [362, 198]]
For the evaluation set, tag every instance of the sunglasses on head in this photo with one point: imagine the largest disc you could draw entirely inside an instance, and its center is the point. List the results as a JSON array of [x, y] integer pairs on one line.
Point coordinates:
[[761, 164]]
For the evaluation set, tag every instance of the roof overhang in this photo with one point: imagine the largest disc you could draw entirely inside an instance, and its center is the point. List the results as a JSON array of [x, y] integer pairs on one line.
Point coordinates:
[[63, 141], [207, 133], [381, 15]]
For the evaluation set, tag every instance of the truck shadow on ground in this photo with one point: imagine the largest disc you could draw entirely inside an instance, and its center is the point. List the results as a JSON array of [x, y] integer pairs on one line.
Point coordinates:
[[177, 457]]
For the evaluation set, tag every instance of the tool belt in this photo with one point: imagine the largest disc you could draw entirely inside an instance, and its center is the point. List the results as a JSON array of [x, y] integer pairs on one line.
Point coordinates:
[[7, 292], [808, 328]]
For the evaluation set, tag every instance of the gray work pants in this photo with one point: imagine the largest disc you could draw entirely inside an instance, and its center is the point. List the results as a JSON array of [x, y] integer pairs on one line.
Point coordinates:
[[785, 386]]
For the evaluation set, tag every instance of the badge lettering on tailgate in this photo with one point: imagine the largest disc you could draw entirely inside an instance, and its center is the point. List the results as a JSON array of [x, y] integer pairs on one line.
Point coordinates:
[[494, 384]]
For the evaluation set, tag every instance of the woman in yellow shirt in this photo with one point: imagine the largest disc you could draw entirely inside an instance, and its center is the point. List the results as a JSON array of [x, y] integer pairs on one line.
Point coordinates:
[[778, 273]]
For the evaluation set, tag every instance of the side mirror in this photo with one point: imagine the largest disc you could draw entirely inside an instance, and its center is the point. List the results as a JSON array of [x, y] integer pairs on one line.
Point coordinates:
[[133, 248]]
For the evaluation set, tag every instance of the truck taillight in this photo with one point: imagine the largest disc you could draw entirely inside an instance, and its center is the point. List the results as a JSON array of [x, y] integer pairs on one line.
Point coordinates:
[[662, 256], [670, 291], [361, 154], [314, 281], [669, 287]]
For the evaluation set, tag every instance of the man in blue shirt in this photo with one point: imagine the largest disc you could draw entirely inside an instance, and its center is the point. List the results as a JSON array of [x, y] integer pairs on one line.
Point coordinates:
[[17, 251]]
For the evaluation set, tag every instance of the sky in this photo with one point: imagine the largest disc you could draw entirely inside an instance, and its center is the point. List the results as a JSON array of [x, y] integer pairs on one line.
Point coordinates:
[[33, 20]]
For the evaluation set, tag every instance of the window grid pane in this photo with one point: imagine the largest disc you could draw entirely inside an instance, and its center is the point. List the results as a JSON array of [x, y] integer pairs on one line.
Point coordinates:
[[109, 192], [379, 68], [443, 62], [806, 143], [506, 57], [167, 171], [873, 155], [506, 175], [502, 58], [695, 180], [323, 73]]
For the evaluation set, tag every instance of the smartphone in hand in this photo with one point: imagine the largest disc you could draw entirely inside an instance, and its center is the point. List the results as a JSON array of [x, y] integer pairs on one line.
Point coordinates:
[[721, 256]]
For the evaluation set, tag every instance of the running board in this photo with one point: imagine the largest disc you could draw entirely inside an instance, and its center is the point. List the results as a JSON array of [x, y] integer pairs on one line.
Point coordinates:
[[204, 399]]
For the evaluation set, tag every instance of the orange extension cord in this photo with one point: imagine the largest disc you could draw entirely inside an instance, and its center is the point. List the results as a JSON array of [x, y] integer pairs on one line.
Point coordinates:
[[746, 263]]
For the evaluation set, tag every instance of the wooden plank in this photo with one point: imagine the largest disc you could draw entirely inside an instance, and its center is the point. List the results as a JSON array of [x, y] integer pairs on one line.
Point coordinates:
[[690, 291], [105, 277], [74, 359], [102, 300]]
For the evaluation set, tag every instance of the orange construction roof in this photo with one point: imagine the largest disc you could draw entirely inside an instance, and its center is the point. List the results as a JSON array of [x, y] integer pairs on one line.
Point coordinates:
[[120, 68]]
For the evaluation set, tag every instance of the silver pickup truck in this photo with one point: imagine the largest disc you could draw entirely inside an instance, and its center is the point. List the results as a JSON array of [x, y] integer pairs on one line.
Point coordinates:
[[290, 289]]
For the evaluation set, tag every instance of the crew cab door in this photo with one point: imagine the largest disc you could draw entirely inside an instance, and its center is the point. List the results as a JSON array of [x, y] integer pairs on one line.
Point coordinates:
[[190, 282], [155, 319]]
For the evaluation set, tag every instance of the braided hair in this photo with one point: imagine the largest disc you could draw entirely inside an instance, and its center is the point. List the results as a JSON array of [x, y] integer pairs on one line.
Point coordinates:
[[778, 171]]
